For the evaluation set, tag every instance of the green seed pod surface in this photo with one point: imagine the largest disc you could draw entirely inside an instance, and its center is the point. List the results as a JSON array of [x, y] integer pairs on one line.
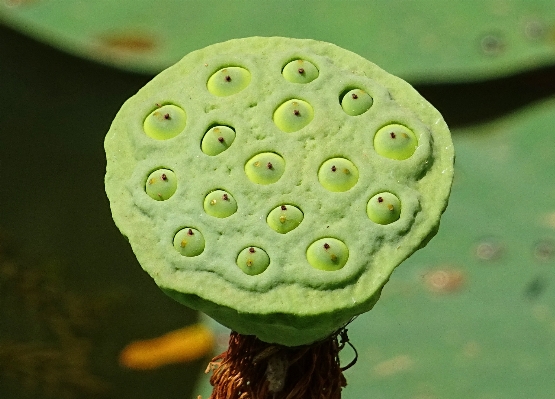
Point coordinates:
[[327, 259]]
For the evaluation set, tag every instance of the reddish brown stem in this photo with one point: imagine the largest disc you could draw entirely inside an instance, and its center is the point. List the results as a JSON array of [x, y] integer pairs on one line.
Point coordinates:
[[253, 369]]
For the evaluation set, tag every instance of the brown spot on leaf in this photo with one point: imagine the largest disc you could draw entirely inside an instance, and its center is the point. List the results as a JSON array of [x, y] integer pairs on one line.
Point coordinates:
[[444, 280], [128, 42], [393, 366]]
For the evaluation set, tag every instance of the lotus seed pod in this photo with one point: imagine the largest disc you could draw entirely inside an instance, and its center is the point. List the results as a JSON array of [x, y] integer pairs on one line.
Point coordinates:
[[356, 102], [293, 115], [384, 208], [189, 242], [217, 140], [228, 81], [285, 218], [300, 71], [161, 184], [220, 204], [265, 168], [165, 122], [395, 142], [325, 258], [338, 174], [253, 260]]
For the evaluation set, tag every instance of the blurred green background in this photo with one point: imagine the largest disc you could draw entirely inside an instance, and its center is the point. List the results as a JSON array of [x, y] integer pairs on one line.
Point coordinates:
[[470, 316]]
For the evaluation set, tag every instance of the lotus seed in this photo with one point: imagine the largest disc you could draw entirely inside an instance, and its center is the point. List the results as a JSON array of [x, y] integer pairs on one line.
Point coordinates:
[[165, 122], [189, 242], [284, 218], [217, 140], [275, 166], [395, 142], [228, 81], [293, 115], [161, 184], [327, 254], [384, 208], [356, 102], [300, 71], [253, 260], [220, 204], [337, 182]]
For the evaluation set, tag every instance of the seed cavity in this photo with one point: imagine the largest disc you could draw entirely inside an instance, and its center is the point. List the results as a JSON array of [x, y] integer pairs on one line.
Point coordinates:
[[228, 81], [217, 140], [161, 184], [189, 242], [395, 141], [165, 122], [253, 260], [284, 218], [338, 182], [220, 204], [300, 71], [355, 102], [293, 115], [384, 208], [275, 166], [327, 254]]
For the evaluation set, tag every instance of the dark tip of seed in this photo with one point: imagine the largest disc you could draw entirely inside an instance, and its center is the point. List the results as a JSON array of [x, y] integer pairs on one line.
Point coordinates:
[[269, 165], [297, 112], [283, 208], [221, 139], [333, 168], [158, 105], [326, 246], [167, 116], [251, 250], [190, 232], [228, 78], [225, 197], [164, 177], [380, 199], [392, 135], [301, 70], [354, 96]]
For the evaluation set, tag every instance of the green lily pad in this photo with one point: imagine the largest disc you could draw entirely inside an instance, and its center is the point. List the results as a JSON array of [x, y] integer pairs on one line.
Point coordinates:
[[421, 41]]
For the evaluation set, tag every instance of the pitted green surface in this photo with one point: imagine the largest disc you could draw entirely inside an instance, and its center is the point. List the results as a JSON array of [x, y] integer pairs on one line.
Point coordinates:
[[290, 302]]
